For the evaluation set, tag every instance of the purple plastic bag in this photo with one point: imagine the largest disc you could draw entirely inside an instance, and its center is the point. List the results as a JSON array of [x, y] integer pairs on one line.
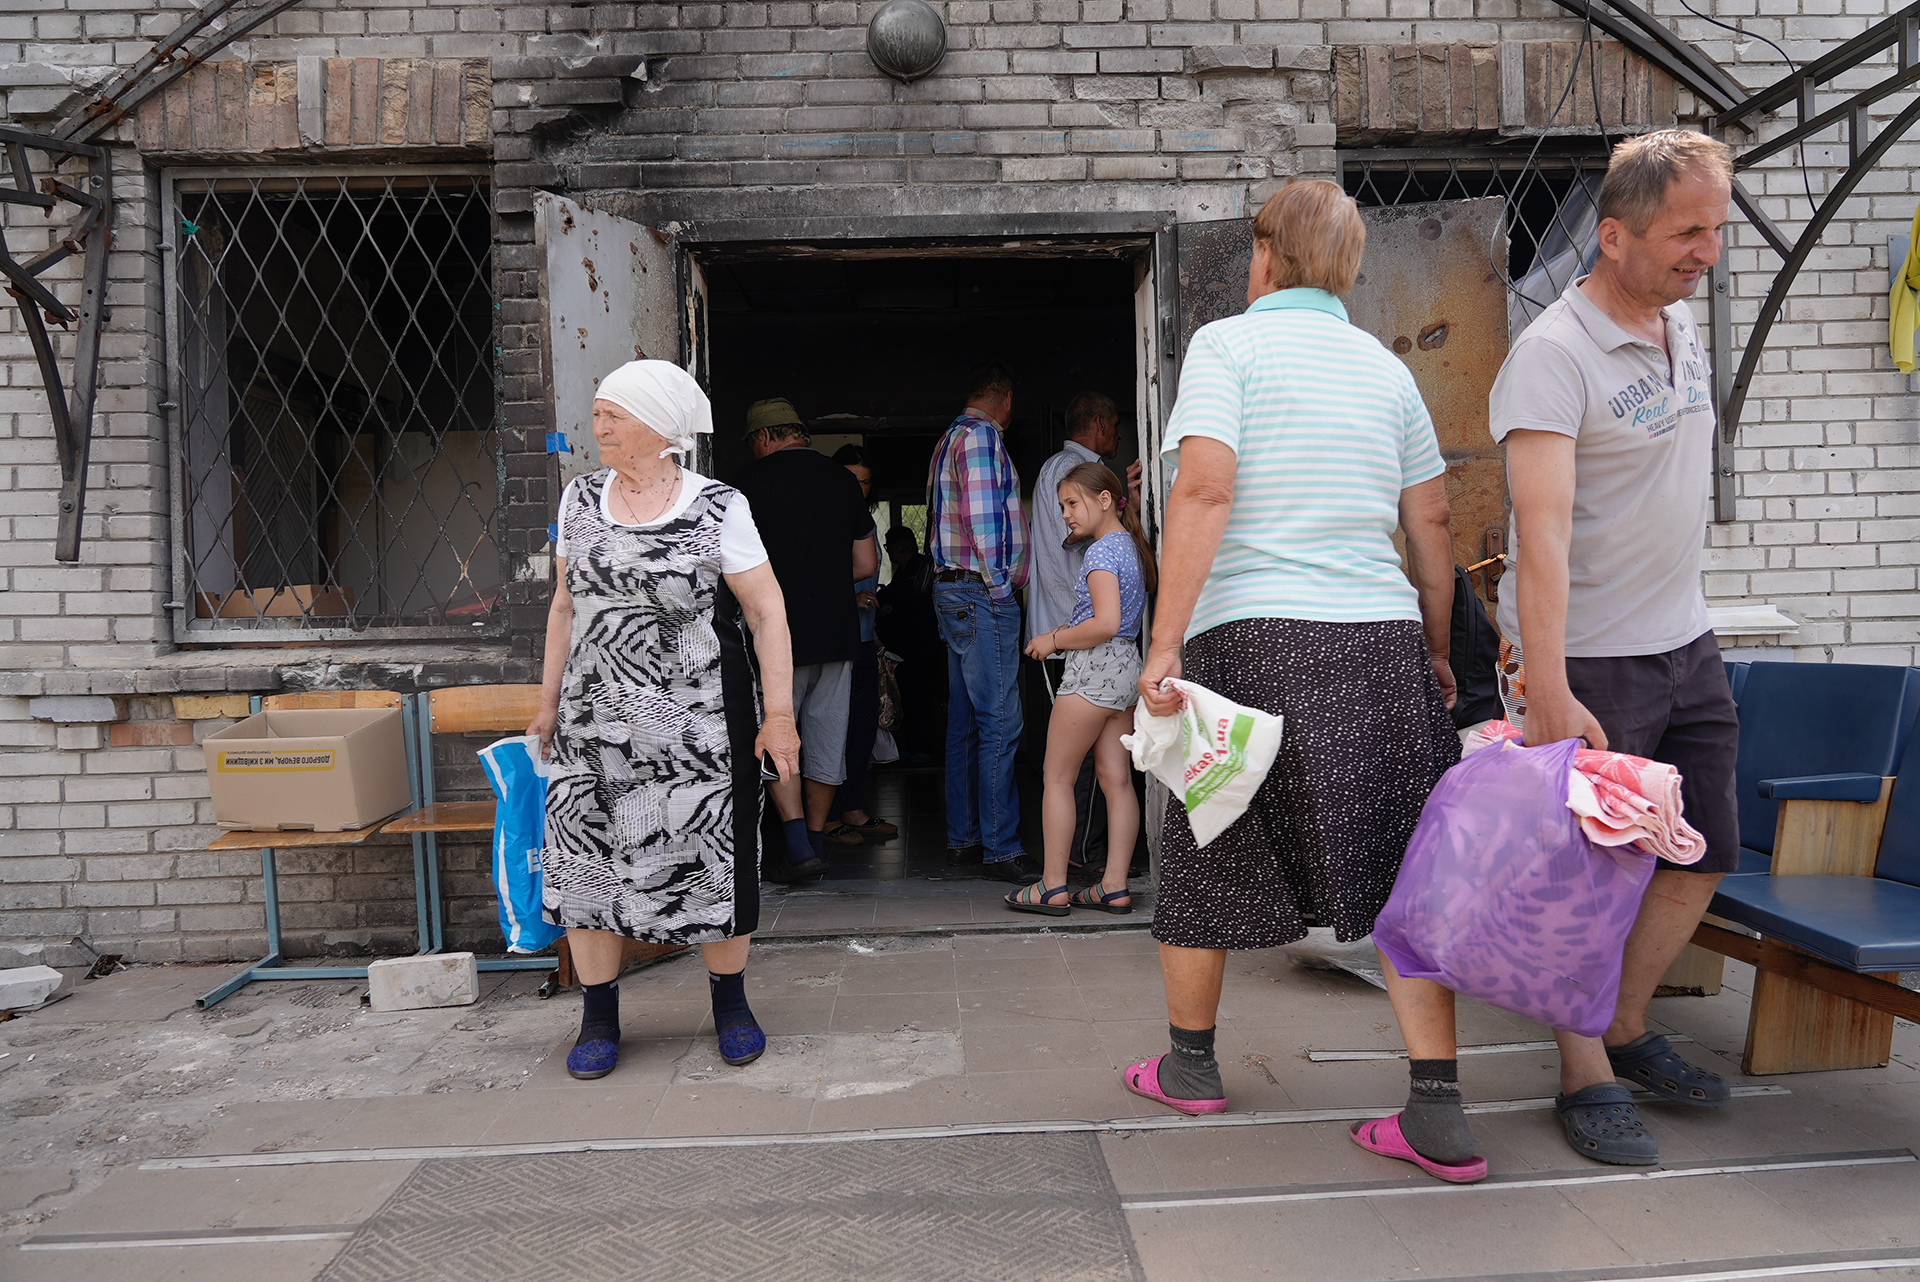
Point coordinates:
[[1501, 897]]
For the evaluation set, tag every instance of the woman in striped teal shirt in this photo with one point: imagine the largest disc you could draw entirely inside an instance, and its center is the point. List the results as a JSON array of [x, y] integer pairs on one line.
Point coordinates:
[[1301, 445]]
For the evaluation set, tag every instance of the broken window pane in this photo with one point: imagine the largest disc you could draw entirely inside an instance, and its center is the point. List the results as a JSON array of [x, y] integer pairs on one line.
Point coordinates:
[[335, 360]]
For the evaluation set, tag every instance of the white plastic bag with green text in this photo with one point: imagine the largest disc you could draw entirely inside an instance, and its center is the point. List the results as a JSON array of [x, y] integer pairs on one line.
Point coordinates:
[[1213, 754]]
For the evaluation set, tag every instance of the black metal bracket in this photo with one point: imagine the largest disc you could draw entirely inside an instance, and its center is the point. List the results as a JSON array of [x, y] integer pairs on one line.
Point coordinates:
[[1901, 31], [1736, 108], [208, 30], [1660, 45], [90, 233], [211, 28]]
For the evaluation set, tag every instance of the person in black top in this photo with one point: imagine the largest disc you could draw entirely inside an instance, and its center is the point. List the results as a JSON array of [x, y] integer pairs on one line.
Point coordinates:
[[909, 629], [814, 521]]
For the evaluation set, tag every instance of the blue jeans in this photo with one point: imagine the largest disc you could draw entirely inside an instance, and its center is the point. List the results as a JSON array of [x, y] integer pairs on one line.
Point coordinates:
[[983, 717]]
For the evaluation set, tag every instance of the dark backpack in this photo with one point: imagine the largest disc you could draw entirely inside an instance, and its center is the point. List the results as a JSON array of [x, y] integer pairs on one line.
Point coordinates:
[[1475, 657]]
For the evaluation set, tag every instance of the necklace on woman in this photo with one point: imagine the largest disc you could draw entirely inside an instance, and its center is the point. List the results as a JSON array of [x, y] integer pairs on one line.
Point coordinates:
[[631, 495]]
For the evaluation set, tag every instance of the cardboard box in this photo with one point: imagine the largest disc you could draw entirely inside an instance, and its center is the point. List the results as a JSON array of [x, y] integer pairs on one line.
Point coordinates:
[[298, 601], [317, 769]]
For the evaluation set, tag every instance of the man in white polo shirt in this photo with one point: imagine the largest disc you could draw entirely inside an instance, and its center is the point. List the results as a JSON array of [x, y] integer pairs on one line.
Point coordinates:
[[1605, 405]]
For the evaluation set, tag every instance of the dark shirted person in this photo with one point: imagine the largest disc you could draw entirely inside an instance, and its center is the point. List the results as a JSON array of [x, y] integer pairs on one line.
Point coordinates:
[[908, 628], [814, 521], [1605, 406]]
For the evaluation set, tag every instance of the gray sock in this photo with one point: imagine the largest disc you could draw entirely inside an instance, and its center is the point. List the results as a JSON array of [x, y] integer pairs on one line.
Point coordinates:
[[1190, 1071], [1433, 1121]]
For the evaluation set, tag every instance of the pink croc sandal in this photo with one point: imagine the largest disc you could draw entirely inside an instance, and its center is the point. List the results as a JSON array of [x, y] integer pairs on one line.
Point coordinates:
[[1143, 1079], [1384, 1137]]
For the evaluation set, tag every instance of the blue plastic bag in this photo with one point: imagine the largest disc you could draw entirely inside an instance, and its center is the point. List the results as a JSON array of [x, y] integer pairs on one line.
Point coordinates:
[[519, 780]]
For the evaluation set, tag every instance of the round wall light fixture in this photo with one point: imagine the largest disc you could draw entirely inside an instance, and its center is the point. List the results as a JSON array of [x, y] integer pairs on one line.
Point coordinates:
[[906, 39]]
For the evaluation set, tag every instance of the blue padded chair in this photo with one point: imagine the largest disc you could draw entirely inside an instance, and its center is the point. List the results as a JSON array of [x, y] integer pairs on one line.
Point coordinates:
[[1737, 679], [1857, 923], [1861, 923], [1814, 719]]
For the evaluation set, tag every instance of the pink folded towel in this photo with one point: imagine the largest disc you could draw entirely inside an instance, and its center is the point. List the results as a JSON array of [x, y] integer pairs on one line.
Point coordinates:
[[1621, 800]]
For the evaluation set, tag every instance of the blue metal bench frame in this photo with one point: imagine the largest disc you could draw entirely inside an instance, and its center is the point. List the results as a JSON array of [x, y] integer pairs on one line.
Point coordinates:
[[273, 966], [426, 876]]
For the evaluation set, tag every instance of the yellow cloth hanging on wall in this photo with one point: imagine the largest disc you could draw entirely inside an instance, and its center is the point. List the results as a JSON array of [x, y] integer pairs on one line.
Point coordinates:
[[1904, 304]]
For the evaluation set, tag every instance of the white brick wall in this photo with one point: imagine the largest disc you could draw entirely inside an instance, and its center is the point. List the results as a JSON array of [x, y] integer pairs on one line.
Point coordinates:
[[1828, 458], [109, 841]]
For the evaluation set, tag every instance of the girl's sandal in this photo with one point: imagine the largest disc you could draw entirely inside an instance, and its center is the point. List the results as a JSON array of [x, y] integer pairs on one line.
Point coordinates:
[[1021, 904], [1094, 897]]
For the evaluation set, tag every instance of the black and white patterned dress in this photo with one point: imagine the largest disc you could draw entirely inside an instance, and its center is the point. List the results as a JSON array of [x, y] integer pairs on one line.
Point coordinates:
[[654, 794]]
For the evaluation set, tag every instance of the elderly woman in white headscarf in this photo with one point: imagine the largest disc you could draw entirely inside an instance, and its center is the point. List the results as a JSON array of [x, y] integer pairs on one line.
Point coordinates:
[[648, 712]]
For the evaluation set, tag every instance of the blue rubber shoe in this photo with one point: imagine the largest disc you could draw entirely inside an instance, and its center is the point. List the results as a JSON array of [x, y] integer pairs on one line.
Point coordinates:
[[742, 1043], [593, 1058]]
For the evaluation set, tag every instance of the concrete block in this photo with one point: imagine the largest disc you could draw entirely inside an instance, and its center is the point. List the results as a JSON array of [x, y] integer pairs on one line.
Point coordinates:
[[415, 983], [1044, 169], [24, 986], [77, 709]]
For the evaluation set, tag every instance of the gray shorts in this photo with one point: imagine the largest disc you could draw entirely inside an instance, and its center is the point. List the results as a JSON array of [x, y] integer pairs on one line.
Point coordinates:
[[821, 695], [1106, 676]]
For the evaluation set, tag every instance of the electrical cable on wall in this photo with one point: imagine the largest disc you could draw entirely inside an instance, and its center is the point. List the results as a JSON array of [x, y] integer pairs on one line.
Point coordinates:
[[1800, 149], [1588, 48]]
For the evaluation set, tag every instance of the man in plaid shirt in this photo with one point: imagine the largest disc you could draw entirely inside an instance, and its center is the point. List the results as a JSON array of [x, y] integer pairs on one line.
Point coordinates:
[[977, 537]]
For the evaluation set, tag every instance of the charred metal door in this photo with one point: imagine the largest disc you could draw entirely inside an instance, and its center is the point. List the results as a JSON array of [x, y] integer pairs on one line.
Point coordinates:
[[1214, 261], [1427, 289], [609, 294]]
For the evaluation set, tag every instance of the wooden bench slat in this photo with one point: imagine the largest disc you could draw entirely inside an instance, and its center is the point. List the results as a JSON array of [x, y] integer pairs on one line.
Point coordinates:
[[471, 709], [243, 839], [1783, 959], [1833, 837], [446, 816], [331, 699]]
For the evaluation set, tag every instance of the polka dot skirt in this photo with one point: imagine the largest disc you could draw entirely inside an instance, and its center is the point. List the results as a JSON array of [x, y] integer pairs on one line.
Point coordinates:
[[1367, 735]]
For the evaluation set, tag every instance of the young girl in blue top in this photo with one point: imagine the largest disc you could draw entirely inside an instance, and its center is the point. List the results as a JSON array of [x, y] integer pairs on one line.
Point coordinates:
[[1094, 705]]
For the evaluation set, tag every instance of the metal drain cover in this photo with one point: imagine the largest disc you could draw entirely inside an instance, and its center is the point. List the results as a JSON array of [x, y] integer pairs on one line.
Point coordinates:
[[1007, 1207]]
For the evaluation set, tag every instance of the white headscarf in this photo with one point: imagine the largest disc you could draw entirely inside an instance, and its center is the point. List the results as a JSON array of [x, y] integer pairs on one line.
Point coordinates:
[[664, 397]]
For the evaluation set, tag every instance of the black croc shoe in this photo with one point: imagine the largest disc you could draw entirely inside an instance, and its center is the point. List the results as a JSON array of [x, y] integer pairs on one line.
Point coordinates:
[[1651, 1061], [1602, 1124]]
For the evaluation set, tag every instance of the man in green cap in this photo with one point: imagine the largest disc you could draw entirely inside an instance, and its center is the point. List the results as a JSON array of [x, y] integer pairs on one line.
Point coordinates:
[[814, 520]]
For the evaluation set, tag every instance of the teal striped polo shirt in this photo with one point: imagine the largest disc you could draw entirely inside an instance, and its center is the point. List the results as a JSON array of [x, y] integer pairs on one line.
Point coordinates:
[[1327, 427]]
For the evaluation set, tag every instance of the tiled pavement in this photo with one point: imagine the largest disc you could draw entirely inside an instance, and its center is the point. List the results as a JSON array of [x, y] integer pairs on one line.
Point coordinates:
[[968, 1031]]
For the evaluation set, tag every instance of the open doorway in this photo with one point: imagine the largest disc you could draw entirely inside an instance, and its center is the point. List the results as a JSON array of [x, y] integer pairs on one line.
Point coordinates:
[[873, 350], [869, 323]]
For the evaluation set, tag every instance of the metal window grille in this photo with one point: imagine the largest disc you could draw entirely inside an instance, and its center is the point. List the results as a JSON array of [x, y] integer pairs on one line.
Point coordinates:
[[336, 458], [1551, 206]]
